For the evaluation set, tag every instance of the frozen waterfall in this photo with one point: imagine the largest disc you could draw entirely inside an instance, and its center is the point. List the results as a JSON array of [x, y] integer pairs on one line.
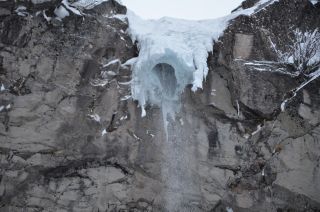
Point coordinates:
[[173, 54]]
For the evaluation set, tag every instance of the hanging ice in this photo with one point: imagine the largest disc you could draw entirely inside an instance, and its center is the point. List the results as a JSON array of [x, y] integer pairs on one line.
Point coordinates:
[[174, 52]]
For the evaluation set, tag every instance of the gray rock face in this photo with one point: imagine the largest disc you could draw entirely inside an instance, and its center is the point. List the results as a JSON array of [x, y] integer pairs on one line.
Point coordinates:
[[72, 140], [243, 46]]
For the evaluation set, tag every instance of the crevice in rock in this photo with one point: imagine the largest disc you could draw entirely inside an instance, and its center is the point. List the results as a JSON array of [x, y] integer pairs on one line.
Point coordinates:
[[76, 165]]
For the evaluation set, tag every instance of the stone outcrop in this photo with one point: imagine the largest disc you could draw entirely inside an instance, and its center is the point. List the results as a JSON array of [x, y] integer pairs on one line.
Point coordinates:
[[71, 139]]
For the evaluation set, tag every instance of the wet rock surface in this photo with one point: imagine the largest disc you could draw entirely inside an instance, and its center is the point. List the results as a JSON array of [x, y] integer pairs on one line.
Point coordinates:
[[71, 139]]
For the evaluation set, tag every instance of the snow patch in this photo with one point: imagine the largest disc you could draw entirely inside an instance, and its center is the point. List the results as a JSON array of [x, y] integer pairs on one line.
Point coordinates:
[[181, 121], [21, 11], [71, 8], [238, 108], [111, 73], [125, 98], [125, 83], [89, 4], [95, 117], [48, 19], [61, 12], [124, 118], [149, 132], [314, 1], [104, 132], [213, 92], [111, 63], [259, 127], [120, 17], [99, 82], [229, 209], [143, 112]]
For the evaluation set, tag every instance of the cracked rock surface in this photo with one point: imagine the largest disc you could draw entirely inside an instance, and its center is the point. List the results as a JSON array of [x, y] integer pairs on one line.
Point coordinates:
[[71, 139]]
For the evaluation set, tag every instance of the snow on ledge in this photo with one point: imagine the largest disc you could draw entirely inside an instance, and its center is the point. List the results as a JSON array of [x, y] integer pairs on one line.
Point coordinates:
[[90, 4], [314, 2], [183, 44]]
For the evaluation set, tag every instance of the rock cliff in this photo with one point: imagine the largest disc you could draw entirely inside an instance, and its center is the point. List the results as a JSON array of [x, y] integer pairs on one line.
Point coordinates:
[[71, 139]]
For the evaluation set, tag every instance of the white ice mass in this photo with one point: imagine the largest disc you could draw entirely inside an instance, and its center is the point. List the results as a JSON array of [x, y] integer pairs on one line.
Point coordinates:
[[173, 53]]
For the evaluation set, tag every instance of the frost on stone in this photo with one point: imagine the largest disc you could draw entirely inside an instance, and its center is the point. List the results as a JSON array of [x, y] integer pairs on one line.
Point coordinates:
[[302, 52], [270, 66], [173, 54], [313, 76]]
